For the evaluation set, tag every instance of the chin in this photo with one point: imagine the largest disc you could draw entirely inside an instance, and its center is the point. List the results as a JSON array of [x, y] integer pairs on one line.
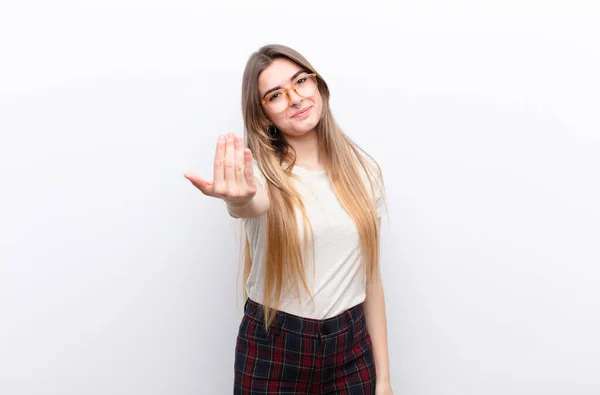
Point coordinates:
[[302, 126], [307, 127], [310, 123]]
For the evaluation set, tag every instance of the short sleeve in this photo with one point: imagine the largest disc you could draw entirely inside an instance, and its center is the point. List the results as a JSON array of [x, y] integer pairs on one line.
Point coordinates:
[[258, 174], [379, 194], [380, 197]]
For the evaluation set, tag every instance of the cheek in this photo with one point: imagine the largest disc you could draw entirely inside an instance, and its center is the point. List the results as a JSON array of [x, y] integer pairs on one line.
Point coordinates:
[[318, 106], [279, 120]]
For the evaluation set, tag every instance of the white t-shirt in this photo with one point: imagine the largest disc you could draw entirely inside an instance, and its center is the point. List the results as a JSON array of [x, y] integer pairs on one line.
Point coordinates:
[[339, 280]]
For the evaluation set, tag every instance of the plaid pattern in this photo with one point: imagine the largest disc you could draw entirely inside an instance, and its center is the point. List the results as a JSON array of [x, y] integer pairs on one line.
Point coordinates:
[[303, 356]]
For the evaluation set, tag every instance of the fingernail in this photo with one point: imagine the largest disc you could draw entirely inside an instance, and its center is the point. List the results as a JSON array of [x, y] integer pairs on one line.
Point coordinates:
[[221, 138]]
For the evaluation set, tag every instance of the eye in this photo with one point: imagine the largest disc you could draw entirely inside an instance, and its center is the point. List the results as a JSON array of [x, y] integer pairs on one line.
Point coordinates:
[[274, 96], [301, 80]]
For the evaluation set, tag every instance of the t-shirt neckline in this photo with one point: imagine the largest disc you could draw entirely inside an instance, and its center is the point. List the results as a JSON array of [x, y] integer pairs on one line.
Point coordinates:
[[304, 171]]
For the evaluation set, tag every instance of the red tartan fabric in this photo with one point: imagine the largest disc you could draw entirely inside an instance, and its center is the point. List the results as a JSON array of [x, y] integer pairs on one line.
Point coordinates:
[[303, 356]]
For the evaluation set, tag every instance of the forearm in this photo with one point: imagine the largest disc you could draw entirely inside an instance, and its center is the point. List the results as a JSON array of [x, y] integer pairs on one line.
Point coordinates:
[[256, 207], [377, 326]]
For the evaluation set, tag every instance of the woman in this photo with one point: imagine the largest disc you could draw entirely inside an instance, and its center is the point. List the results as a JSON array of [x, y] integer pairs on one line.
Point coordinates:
[[314, 320]]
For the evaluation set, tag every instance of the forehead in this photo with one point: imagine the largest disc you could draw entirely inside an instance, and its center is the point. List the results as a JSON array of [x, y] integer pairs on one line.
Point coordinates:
[[278, 73]]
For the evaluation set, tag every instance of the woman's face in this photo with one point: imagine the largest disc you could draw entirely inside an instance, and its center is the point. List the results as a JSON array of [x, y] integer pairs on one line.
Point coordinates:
[[303, 113]]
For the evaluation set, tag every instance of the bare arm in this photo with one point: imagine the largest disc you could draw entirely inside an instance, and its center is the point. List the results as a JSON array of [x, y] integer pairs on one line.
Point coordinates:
[[377, 327], [256, 207]]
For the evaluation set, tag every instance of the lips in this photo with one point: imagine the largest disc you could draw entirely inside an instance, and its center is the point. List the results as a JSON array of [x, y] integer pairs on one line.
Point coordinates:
[[301, 112]]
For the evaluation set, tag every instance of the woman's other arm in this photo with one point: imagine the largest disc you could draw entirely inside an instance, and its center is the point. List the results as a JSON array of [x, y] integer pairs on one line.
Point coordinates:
[[377, 328]]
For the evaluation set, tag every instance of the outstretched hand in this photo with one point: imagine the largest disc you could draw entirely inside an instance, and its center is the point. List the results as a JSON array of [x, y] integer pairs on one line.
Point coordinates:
[[233, 179]]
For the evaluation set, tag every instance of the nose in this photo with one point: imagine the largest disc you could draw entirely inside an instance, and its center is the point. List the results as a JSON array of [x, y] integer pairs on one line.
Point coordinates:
[[295, 98]]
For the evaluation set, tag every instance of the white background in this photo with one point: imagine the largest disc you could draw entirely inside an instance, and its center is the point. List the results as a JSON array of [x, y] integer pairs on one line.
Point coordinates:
[[118, 277]]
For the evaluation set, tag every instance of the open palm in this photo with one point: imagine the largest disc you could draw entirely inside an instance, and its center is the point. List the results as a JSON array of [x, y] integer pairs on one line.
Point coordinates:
[[233, 178]]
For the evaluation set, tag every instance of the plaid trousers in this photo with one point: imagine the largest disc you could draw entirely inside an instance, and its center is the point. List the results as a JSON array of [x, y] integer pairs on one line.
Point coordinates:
[[303, 356]]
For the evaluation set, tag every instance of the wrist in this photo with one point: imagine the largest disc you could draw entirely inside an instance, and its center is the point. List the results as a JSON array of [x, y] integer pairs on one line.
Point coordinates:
[[383, 379], [238, 204]]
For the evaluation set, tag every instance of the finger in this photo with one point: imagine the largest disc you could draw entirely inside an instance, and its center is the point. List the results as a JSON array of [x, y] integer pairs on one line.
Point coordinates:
[[219, 166], [249, 169], [239, 160], [229, 161], [204, 186]]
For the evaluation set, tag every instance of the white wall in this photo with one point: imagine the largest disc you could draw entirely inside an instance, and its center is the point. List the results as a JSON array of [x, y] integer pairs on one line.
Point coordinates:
[[118, 277]]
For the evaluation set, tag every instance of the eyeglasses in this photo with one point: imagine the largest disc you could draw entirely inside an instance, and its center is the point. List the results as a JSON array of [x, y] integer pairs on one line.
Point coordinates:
[[304, 86]]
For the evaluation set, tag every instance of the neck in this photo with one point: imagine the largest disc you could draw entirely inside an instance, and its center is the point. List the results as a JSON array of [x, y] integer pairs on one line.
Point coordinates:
[[307, 149]]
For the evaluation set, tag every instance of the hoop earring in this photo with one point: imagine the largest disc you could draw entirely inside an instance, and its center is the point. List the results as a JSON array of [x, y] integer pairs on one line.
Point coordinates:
[[277, 140], [272, 130]]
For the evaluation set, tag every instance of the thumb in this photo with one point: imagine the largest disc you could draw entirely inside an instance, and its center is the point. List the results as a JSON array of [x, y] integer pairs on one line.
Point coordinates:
[[204, 186]]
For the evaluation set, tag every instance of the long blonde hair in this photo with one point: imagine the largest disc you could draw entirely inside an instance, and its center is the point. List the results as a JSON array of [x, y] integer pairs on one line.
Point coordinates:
[[284, 266]]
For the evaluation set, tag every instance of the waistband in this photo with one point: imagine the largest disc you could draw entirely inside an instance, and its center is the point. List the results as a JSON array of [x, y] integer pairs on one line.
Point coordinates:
[[308, 326]]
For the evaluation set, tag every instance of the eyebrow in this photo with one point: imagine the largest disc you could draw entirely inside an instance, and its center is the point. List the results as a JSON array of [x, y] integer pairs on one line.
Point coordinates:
[[296, 74]]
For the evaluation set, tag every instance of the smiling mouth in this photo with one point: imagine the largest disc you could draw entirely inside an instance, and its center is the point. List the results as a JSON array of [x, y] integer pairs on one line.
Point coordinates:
[[301, 112]]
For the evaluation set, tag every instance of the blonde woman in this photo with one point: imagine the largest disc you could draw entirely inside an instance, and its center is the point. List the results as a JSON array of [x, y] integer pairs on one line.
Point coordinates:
[[314, 320]]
